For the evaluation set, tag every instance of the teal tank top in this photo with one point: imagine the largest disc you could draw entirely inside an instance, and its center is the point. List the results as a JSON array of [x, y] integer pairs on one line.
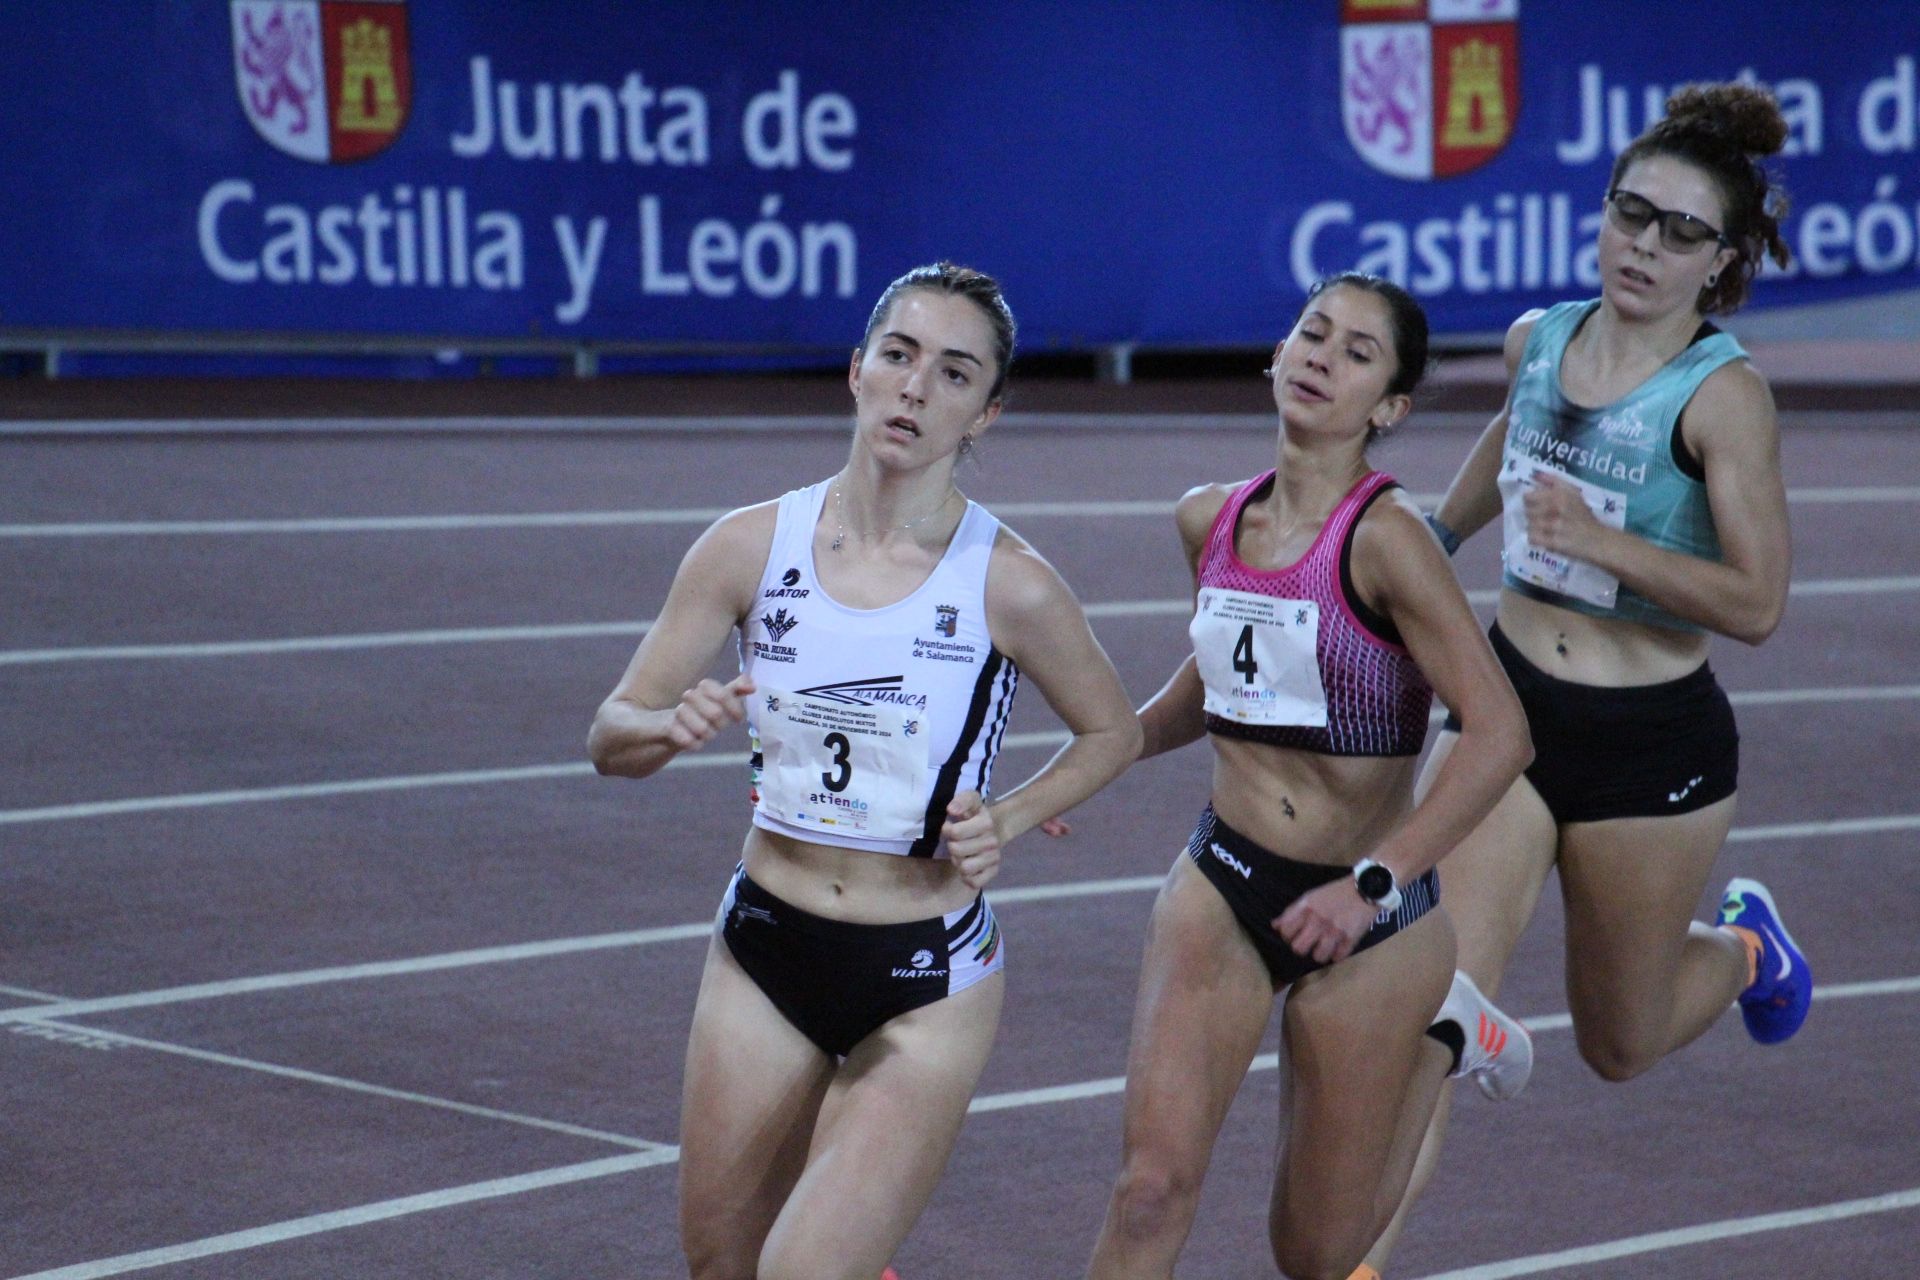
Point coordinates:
[[1622, 457]]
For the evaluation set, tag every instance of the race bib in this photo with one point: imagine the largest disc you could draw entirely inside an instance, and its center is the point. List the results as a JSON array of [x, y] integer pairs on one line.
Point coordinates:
[[1259, 658], [841, 769], [1557, 573]]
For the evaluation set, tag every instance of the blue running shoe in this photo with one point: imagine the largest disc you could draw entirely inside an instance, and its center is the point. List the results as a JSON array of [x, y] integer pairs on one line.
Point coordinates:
[[1777, 1002]]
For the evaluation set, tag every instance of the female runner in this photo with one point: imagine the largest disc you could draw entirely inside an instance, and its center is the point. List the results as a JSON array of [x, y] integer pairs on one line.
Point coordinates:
[[853, 983], [1638, 464], [1326, 618]]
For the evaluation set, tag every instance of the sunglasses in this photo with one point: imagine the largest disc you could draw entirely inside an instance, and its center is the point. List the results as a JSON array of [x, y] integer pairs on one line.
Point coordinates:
[[1679, 232]]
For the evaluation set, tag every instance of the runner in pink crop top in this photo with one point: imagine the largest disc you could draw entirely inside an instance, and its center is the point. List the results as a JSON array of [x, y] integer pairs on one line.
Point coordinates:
[[1377, 700]]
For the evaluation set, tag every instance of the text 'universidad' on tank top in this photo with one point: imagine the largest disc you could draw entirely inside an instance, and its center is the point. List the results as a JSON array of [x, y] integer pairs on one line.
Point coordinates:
[[865, 723], [1626, 459], [1292, 657]]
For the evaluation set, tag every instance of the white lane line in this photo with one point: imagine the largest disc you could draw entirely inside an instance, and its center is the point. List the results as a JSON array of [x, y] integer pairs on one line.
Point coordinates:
[[509, 954], [1845, 827], [341, 1082], [1108, 1085], [399, 782], [380, 1211], [718, 760], [1682, 1237], [516, 952], [323, 644], [275, 1233], [1836, 693], [1077, 889], [1853, 586], [448, 635], [1179, 607], [1449, 420], [302, 791], [1828, 991], [1091, 509], [528, 520], [1815, 587], [756, 423], [1868, 493]]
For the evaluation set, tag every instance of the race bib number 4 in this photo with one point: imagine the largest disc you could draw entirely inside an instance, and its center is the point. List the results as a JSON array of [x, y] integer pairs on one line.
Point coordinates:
[[1557, 573], [842, 769], [1259, 658]]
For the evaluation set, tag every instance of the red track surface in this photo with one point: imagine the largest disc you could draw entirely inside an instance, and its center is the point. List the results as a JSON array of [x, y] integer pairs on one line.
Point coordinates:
[[114, 1147]]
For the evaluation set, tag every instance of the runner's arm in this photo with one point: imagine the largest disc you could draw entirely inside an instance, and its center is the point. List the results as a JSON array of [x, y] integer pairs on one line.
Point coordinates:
[[1036, 621], [1473, 499], [662, 706], [1176, 714], [1399, 571]]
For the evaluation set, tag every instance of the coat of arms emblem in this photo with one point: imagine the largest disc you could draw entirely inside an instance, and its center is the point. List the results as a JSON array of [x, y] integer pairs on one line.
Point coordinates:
[[324, 80], [1429, 88]]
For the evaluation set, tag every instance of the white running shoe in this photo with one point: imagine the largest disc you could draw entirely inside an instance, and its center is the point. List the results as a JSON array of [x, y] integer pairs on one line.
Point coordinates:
[[1499, 1052]]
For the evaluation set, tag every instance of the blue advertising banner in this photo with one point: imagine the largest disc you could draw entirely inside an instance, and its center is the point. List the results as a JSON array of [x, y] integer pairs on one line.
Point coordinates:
[[1172, 173]]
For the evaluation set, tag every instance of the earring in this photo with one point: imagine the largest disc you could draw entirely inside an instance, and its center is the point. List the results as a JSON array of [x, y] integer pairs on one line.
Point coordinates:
[[1713, 280], [966, 444]]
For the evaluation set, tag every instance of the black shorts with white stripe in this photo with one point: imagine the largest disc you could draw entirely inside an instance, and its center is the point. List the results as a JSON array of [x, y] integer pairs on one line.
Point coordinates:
[[839, 982], [1259, 884]]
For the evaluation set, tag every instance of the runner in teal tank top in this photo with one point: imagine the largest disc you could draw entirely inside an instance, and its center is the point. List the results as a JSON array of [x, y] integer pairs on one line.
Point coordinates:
[[1622, 456], [1635, 473]]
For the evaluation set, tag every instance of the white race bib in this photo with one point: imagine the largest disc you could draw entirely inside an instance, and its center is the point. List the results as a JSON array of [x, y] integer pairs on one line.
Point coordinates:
[[1557, 573], [842, 769], [1259, 658]]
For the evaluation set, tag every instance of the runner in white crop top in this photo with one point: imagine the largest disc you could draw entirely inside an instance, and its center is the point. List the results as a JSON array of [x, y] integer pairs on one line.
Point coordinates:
[[882, 619], [908, 703]]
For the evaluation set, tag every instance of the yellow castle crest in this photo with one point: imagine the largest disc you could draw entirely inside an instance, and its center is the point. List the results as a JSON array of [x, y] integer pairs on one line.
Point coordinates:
[[1476, 103], [369, 96]]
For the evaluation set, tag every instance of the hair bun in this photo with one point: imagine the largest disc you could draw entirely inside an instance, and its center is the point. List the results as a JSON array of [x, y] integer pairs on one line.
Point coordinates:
[[1747, 116]]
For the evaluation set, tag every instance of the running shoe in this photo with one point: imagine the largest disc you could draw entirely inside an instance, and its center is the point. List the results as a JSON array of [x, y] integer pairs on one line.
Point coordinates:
[[1498, 1054], [1776, 1003]]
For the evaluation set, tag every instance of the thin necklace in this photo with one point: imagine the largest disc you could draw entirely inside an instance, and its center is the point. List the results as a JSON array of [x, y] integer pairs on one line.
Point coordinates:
[[840, 517]]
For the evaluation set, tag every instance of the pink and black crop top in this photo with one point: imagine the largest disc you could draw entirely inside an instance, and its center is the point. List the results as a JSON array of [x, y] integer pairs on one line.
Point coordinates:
[[1292, 657]]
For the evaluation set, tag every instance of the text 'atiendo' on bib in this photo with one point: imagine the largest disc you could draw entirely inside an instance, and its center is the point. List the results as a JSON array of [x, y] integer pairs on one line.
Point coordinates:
[[1258, 657], [841, 768]]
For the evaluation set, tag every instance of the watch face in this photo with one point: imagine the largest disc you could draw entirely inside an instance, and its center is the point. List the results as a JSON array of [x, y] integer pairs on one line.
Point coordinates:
[[1376, 882]]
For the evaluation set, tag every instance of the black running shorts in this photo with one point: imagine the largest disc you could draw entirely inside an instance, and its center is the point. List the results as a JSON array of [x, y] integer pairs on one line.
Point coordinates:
[[1258, 885], [838, 982], [1641, 751]]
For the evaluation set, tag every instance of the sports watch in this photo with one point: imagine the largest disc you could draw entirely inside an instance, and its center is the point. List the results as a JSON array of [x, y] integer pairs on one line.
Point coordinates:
[[1376, 884]]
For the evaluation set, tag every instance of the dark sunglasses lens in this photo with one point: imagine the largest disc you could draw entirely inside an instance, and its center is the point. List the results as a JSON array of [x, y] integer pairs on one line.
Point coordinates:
[[1683, 234], [1630, 212]]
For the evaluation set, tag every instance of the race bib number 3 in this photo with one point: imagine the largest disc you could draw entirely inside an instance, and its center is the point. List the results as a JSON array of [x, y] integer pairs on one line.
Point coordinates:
[[842, 769], [1557, 573], [1259, 658]]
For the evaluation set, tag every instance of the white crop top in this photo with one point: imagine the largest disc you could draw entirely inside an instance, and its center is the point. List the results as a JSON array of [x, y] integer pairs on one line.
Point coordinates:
[[866, 722]]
